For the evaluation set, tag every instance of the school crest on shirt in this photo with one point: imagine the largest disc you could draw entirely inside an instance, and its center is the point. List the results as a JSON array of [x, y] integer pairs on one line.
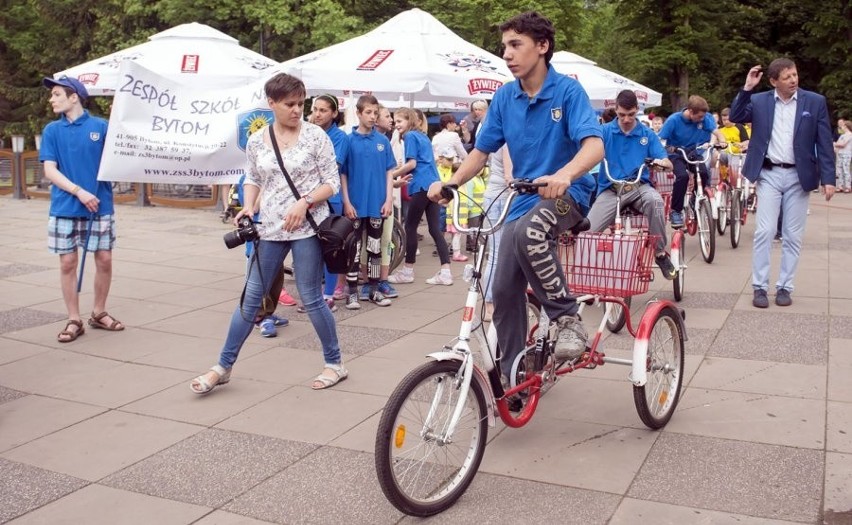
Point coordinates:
[[556, 114], [380, 147], [94, 136], [643, 141]]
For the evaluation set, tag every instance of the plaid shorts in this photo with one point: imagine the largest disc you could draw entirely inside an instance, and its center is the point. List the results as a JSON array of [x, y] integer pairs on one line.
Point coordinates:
[[66, 234]]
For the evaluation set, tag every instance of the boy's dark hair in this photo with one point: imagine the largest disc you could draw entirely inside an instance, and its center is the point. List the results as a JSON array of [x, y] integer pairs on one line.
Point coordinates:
[[283, 85], [627, 99], [446, 120], [535, 26], [364, 101], [777, 66]]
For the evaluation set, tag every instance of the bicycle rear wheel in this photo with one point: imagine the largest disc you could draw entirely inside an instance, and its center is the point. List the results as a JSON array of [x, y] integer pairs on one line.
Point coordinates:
[[724, 207], [657, 399], [706, 232], [397, 245], [418, 472], [618, 316], [736, 219]]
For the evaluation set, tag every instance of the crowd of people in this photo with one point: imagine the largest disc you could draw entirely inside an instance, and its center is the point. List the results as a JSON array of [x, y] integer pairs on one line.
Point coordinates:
[[385, 167]]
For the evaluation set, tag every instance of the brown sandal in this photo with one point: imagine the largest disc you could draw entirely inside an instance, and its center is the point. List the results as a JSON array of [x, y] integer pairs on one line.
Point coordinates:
[[68, 334], [96, 322]]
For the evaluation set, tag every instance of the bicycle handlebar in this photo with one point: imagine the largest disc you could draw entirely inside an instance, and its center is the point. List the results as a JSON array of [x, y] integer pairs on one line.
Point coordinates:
[[518, 187], [647, 164], [704, 156]]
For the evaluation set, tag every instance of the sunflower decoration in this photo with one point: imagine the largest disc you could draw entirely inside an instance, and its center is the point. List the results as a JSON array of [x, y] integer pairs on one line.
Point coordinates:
[[251, 122]]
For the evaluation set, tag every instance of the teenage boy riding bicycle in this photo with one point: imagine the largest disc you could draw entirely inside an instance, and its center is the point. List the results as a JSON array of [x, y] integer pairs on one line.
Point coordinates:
[[553, 136]]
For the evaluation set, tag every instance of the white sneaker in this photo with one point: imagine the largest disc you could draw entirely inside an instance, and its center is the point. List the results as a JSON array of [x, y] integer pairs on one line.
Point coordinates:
[[352, 302], [401, 277], [442, 277]]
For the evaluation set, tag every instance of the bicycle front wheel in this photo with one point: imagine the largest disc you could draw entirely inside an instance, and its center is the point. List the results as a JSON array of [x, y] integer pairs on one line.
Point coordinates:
[[657, 399], [421, 470], [706, 232], [736, 219], [724, 207], [679, 282]]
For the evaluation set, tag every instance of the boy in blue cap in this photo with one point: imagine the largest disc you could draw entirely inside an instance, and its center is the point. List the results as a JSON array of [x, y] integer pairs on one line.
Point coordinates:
[[71, 151]]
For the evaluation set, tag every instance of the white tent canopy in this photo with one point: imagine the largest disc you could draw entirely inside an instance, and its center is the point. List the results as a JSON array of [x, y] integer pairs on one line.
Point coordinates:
[[601, 85], [411, 57], [184, 53]]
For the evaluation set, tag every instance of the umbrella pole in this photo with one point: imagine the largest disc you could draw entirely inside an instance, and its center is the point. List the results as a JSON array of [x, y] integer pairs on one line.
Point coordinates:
[[85, 249]]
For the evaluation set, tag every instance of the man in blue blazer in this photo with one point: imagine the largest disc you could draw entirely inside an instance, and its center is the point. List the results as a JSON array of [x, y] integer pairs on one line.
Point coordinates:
[[789, 155]]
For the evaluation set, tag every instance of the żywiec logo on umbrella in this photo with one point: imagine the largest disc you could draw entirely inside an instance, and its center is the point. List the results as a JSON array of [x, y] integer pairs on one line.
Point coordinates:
[[478, 86], [375, 60], [250, 122]]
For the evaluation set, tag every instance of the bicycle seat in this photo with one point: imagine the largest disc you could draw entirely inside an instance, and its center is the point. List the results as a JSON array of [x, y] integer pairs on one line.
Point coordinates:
[[581, 226]]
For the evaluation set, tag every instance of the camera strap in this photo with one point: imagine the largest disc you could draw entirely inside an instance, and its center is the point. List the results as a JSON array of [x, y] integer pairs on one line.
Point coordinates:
[[293, 189]]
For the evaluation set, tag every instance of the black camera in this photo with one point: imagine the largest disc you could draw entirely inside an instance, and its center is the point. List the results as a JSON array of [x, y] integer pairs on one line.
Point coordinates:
[[245, 232]]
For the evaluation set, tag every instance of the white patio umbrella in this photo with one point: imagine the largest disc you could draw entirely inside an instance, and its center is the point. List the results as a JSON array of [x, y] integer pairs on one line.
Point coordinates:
[[411, 57], [601, 85], [183, 53]]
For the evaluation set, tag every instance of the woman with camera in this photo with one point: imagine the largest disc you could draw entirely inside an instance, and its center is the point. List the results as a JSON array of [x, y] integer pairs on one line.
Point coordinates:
[[308, 157]]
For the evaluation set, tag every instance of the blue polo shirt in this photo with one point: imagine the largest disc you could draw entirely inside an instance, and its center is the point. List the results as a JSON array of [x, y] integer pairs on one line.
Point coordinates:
[[366, 168], [543, 133], [77, 147], [340, 141], [419, 147], [625, 152], [680, 132]]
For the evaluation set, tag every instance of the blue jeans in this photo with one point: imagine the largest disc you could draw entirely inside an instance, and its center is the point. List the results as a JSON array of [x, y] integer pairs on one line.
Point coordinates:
[[308, 268], [778, 189]]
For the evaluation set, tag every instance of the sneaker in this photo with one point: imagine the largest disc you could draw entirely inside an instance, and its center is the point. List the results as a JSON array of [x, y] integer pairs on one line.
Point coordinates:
[[782, 297], [286, 299], [666, 266], [267, 328], [443, 277], [365, 293], [676, 218], [388, 290], [571, 338], [278, 321], [760, 300], [339, 293], [329, 302], [460, 257], [402, 277], [379, 299], [352, 302]]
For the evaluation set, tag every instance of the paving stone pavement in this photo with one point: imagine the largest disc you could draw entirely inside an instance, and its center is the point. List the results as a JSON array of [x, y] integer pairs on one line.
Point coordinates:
[[104, 430]]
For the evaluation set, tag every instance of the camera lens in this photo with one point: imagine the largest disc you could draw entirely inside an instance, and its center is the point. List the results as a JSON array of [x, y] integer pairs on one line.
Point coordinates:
[[233, 239]]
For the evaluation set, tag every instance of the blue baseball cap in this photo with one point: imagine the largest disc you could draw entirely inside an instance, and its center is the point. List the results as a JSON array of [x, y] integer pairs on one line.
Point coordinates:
[[68, 82]]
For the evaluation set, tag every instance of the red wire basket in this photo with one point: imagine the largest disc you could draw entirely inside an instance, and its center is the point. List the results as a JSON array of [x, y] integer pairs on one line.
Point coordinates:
[[608, 265], [663, 181]]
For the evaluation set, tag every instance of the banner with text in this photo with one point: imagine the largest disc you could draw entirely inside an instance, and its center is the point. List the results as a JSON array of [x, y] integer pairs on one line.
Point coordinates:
[[161, 131]]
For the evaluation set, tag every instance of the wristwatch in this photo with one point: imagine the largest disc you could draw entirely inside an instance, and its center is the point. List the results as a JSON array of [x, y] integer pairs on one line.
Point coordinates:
[[309, 200]]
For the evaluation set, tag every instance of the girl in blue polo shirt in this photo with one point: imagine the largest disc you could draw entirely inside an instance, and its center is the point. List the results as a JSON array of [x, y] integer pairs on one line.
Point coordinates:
[[420, 162]]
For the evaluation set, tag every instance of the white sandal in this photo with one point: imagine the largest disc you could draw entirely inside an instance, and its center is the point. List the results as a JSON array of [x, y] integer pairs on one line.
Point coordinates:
[[200, 385], [327, 382]]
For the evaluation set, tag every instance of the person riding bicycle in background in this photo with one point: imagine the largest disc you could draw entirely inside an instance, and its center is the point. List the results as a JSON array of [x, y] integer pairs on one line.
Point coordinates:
[[553, 136], [627, 144], [736, 135], [690, 127]]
